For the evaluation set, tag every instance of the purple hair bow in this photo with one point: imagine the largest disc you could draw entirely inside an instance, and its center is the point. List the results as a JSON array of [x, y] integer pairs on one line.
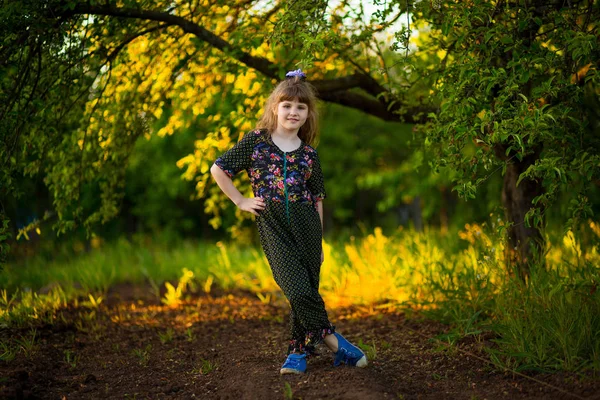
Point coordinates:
[[296, 73]]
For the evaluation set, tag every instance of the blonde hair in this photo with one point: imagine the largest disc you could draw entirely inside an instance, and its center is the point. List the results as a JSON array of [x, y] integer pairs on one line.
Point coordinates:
[[289, 90]]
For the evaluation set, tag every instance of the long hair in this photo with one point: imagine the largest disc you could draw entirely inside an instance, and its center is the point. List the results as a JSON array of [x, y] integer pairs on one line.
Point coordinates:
[[289, 90]]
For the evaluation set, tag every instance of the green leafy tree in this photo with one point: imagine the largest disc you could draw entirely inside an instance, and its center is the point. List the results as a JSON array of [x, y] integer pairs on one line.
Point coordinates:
[[83, 81], [509, 83], [519, 87]]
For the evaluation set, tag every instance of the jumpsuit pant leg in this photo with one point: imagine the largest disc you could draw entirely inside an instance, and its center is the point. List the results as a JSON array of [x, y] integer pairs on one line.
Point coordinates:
[[293, 248]]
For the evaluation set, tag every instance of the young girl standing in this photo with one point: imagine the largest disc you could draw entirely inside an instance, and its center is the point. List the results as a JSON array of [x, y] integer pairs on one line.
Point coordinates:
[[288, 187]]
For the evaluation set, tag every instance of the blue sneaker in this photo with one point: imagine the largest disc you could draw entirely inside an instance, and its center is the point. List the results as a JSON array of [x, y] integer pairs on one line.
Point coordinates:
[[348, 353], [294, 364]]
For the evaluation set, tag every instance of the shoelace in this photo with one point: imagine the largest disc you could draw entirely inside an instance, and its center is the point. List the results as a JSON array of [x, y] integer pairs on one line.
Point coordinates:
[[292, 362], [347, 356]]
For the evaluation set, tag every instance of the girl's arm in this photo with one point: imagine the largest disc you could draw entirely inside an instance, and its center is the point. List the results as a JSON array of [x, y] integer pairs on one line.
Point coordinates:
[[252, 205]]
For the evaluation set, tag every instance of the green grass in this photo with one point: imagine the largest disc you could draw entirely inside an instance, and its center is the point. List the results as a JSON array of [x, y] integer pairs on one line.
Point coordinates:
[[167, 336], [552, 323], [70, 359], [142, 355]]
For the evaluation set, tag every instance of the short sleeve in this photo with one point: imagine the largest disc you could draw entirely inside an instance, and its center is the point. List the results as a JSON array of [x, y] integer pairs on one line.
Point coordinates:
[[316, 183], [239, 157]]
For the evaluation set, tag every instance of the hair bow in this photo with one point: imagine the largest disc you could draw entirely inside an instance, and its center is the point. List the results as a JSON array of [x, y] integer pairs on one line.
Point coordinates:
[[296, 73]]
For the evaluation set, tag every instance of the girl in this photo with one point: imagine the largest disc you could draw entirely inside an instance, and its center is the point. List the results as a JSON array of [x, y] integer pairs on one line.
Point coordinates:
[[288, 187]]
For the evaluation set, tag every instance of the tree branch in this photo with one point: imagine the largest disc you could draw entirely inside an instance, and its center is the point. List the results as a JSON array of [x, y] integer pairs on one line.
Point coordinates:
[[260, 64], [334, 90]]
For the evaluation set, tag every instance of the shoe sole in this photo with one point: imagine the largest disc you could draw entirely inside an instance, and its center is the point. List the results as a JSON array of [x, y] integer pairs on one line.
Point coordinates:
[[284, 371], [362, 362]]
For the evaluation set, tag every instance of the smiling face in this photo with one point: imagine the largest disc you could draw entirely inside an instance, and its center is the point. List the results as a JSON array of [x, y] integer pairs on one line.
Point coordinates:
[[291, 115]]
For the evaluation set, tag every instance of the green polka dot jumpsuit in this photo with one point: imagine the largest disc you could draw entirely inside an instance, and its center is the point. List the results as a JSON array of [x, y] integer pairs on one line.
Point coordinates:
[[289, 227]]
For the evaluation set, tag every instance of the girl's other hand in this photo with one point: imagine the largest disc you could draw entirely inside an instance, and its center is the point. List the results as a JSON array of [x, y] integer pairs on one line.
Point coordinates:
[[322, 257], [252, 204]]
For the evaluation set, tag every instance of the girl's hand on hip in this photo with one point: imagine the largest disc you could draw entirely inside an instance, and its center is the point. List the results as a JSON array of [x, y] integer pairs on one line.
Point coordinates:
[[252, 204], [322, 257]]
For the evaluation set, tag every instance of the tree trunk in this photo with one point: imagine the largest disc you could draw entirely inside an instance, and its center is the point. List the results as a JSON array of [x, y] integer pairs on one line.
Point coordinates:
[[415, 208], [444, 210], [525, 245]]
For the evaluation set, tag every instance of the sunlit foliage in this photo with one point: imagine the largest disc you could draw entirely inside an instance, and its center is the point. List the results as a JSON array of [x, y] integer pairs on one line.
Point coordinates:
[[552, 323]]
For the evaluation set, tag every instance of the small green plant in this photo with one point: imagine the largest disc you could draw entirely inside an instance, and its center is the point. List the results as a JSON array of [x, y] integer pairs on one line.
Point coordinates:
[[155, 287], [70, 358], [143, 355], [438, 377], [5, 301], [370, 350], [265, 299], [86, 322], [287, 392], [7, 351], [206, 366], [93, 302], [166, 337], [189, 334], [27, 343]]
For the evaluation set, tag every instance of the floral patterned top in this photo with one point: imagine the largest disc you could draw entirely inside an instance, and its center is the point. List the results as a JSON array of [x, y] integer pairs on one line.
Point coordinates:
[[293, 176]]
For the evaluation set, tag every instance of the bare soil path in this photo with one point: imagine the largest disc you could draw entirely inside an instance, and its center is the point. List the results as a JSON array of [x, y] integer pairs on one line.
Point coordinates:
[[231, 346]]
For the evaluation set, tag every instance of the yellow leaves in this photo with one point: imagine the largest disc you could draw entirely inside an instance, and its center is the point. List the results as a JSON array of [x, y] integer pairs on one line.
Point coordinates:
[[206, 152], [548, 44], [595, 227], [165, 130], [174, 295], [187, 161], [243, 82], [246, 126], [204, 166], [262, 51], [581, 73], [474, 233], [104, 143], [197, 109], [570, 243]]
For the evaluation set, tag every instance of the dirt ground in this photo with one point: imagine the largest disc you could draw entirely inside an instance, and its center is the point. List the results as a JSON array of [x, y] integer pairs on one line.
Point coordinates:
[[231, 346]]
